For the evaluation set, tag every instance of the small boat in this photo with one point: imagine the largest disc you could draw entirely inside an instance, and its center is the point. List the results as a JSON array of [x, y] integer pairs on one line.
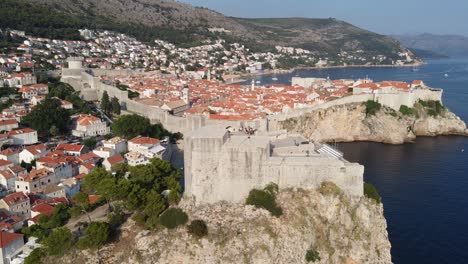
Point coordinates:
[[257, 82], [415, 69], [274, 79], [446, 75]]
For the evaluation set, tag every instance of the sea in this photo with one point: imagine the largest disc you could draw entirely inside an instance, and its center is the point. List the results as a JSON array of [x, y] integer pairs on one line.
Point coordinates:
[[424, 185]]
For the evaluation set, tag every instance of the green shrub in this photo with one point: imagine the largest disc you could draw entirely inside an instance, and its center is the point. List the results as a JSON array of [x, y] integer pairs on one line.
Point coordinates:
[[35, 257], [312, 255], [407, 111], [58, 242], [198, 228], [371, 192], [96, 235], [434, 108], [372, 107], [264, 199], [173, 217]]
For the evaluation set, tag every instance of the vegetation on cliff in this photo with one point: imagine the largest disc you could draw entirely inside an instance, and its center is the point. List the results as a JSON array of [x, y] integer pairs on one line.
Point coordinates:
[[187, 26], [325, 228]]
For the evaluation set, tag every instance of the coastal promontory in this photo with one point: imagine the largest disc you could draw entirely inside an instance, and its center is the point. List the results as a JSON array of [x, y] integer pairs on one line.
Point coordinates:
[[357, 122]]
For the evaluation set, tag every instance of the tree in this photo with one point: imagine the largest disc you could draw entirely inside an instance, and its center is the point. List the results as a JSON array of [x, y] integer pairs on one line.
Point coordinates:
[[58, 242], [173, 217], [105, 103], [115, 105], [96, 235], [130, 126], [35, 257], [264, 199], [82, 200], [90, 143], [47, 114]]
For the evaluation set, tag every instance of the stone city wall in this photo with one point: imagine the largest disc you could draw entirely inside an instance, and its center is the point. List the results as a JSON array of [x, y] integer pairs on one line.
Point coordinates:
[[225, 168]]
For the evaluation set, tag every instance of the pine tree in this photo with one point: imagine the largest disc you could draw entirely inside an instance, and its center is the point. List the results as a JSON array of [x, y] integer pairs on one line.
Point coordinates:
[[105, 103], [115, 105]]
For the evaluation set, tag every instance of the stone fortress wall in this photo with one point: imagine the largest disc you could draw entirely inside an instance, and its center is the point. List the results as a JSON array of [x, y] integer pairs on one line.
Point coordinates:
[[225, 166], [221, 165], [91, 88]]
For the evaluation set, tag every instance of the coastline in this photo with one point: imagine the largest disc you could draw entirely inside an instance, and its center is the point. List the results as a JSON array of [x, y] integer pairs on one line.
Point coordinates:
[[244, 76]]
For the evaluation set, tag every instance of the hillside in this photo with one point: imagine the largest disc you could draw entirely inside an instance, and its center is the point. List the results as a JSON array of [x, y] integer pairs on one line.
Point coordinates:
[[441, 44], [187, 25], [339, 229]]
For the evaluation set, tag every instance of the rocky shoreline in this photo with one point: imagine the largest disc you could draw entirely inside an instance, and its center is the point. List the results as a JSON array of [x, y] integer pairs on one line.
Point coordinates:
[[350, 123]]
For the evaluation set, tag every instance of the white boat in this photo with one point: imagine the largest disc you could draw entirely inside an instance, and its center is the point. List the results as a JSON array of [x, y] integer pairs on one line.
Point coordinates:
[[274, 79], [257, 82], [446, 75]]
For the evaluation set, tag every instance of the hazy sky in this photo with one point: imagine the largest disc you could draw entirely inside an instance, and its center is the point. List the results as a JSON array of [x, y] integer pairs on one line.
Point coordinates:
[[382, 16]]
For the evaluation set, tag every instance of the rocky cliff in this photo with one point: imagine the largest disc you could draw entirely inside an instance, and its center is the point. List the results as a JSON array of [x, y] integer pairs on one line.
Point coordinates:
[[340, 229], [347, 123]]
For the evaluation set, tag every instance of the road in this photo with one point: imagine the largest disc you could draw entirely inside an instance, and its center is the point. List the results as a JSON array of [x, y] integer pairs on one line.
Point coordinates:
[[98, 214]]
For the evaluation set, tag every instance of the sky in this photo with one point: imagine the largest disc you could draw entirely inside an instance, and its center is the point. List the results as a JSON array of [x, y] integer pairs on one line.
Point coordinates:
[[381, 16]]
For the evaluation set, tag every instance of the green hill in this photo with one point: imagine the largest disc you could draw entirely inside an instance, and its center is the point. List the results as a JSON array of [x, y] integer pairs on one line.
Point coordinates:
[[186, 25]]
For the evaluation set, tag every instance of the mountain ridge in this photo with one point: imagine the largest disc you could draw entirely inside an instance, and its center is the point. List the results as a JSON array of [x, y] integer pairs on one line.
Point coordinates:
[[186, 25], [449, 44]]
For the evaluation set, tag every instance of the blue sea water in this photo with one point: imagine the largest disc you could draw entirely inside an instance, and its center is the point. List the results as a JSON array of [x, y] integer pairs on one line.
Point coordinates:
[[424, 186]]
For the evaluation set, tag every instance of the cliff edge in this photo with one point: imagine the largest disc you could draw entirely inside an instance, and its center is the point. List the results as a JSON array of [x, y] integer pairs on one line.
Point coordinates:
[[352, 122], [339, 229]]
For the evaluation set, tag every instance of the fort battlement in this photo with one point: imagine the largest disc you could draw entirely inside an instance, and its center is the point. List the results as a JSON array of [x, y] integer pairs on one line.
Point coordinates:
[[224, 166]]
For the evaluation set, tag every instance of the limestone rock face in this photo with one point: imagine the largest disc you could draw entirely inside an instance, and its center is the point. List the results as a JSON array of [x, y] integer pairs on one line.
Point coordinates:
[[340, 229], [347, 123]]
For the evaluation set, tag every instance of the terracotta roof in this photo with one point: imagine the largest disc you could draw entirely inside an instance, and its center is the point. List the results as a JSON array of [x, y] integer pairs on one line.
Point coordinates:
[[86, 120], [36, 149], [7, 238], [70, 147], [9, 152], [115, 159], [144, 141], [5, 163], [93, 198], [21, 131], [8, 122], [43, 208], [35, 174], [14, 198], [80, 176]]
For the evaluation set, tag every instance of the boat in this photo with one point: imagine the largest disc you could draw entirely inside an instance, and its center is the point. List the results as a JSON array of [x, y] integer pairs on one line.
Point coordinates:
[[274, 79], [257, 82], [415, 69], [446, 75]]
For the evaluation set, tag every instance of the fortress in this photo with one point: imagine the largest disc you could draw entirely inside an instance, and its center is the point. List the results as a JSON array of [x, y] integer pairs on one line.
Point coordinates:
[[223, 162], [221, 165]]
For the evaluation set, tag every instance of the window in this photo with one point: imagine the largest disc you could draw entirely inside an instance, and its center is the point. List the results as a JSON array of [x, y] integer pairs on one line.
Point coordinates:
[[35, 185], [26, 187], [48, 180]]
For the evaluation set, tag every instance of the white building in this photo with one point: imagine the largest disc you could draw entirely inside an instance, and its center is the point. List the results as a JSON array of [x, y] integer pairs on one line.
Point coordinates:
[[35, 180], [33, 152], [11, 155], [17, 204], [25, 136], [89, 126], [136, 158], [71, 149], [8, 124], [111, 161], [118, 144], [11, 245]]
